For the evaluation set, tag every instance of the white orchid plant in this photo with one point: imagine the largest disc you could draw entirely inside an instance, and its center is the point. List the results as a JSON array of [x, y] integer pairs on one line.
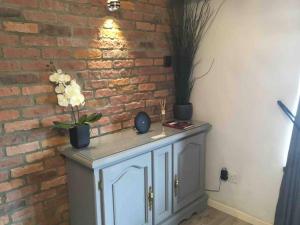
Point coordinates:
[[69, 95]]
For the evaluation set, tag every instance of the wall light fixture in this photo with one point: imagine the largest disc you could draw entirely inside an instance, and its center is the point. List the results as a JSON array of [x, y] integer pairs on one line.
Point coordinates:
[[113, 5]]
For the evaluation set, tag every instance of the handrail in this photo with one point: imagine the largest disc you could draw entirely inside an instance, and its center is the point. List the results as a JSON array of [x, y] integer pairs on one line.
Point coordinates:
[[290, 115]]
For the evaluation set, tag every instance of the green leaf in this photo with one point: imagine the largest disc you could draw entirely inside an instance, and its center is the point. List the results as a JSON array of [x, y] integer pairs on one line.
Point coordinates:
[[82, 119], [93, 117], [61, 125]]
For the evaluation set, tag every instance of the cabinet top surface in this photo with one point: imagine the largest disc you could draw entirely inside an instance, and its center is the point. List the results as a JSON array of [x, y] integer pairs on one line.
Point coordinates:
[[111, 145]]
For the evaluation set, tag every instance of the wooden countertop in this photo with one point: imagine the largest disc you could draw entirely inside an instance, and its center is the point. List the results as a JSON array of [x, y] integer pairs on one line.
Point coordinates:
[[111, 148]]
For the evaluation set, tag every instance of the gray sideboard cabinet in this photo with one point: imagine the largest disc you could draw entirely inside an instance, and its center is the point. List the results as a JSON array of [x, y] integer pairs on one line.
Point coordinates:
[[129, 179]]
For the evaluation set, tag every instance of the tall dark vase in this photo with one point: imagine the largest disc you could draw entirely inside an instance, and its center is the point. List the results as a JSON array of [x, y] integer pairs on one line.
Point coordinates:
[[80, 136], [183, 112]]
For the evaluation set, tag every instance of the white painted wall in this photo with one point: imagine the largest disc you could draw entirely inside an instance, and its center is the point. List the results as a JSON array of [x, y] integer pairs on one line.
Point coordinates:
[[256, 47]]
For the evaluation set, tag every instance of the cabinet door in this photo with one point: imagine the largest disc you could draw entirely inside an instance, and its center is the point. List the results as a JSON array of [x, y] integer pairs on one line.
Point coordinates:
[[189, 159], [162, 182], [126, 191]]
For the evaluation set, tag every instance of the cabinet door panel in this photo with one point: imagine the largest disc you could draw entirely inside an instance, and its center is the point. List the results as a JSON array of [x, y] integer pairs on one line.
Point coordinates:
[[125, 192], [189, 159], [162, 183]]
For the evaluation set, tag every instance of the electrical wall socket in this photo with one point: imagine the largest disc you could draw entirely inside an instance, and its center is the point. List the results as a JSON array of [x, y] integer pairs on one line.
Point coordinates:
[[233, 177]]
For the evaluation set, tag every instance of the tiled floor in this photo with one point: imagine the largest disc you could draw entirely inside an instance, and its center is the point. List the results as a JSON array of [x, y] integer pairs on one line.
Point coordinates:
[[213, 217]]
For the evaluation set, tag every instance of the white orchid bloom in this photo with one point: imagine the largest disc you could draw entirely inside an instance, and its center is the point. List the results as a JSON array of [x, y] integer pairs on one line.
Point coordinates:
[[77, 100], [60, 89], [62, 100], [72, 90], [54, 77], [59, 77], [67, 78]]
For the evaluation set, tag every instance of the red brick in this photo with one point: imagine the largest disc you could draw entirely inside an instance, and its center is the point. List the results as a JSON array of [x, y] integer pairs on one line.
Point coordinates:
[[54, 162], [153, 102], [126, 5], [161, 93], [38, 111], [20, 193], [9, 12], [116, 100], [71, 20], [38, 41], [10, 162], [85, 32], [103, 121], [32, 90], [104, 93], [163, 28], [135, 105], [11, 139], [54, 141], [96, 84], [145, 26], [3, 176], [23, 3], [72, 65], [96, 103], [8, 39], [110, 128], [53, 183], [158, 62], [40, 155], [100, 64], [42, 196], [120, 117], [20, 78], [25, 213], [12, 184], [87, 53], [147, 87], [8, 115], [139, 79], [21, 52], [40, 16], [56, 53], [143, 62], [132, 15], [28, 169], [21, 125], [14, 102], [47, 122], [127, 89], [157, 78], [21, 27], [52, 5], [112, 110], [9, 91], [123, 63], [9, 66], [46, 99], [24, 148], [119, 82], [34, 65], [115, 54], [55, 30]]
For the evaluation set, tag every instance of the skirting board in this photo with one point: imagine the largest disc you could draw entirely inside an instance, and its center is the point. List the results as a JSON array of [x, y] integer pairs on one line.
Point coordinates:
[[236, 213]]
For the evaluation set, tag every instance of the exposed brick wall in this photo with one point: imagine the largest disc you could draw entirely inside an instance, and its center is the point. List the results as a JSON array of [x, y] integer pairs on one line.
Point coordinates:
[[117, 58]]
